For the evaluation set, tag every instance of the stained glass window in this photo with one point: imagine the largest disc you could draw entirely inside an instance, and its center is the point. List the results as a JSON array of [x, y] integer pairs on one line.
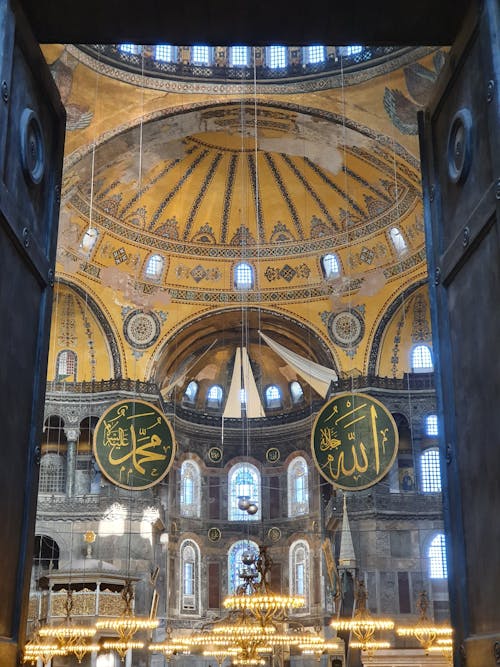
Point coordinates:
[[214, 396], [299, 571], [239, 56], [315, 54], [273, 397], [190, 489], [431, 425], [164, 52], [296, 391], [276, 57], [190, 575], [235, 565], [244, 481], [201, 55], [298, 487], [66, 365]]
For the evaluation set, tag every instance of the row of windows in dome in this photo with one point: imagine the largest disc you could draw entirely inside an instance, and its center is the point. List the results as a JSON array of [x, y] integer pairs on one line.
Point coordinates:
[[299, 567], [243, 272], [276, 56], [215, 395]]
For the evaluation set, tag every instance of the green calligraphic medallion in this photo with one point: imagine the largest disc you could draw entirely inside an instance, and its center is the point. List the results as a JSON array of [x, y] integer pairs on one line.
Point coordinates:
[[134, 445], [354, 441]]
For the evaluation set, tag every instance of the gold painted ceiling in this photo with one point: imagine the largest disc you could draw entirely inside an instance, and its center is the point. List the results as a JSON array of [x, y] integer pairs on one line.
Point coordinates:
[[207, 181]]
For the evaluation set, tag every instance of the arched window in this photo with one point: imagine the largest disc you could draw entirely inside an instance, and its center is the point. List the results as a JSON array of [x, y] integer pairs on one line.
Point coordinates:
[[46, 552], [315, 54], [214, 396], [243, 276], [430, 471], [298, 487], [190, 489], [437, 558], [273, 397], [66, 365], [299, 571], [243, 482], [165, 53], [235, 565], [421, 359], [296, 392], [239, 56], [154, 267], [431, 425], [52, 474], [398, 240], [191, 392], [89, 239], [200, 55], [190, 576], [276, 57], [330, 266]]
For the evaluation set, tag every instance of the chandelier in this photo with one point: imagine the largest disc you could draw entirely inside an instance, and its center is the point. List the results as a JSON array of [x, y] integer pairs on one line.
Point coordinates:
[[127, 624], [363, 625], [429, 635], [71, 638], [36, 650]]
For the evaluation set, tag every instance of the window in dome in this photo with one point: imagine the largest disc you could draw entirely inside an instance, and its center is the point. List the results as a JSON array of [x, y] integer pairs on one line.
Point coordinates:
[[299, 571], [200, 55], [437, 558], [191, 391], [165, 53], [398, 240], [352, 50], [431, 425], [154, 267], [330, 265], [273, 397], [239, 56], [89, 239], [430, 471], [243, 481], [66, 365], [190, 489], [421, 359], [190, 574], [315, 54], [296, 392], [276, 57], [243, 276], [214, 396], [235, 565], [298, 487], [133, 49]]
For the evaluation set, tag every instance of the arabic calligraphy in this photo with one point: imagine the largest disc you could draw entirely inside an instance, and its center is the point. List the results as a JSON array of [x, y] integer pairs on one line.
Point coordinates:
[[354, 441], [134, 444]]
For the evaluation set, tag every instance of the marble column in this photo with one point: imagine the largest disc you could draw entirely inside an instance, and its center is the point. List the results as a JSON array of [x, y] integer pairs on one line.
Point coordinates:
[[72, 435]]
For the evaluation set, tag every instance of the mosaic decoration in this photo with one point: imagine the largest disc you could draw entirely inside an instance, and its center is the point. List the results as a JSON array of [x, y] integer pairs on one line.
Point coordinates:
[[287, 272], [215, 454], [67, 331], [421, 330], [274, 534], [354, 441], [273, 455], [141, 329], [214, 534], [120, 255], [346, 328], [198, 273], [134, 445]]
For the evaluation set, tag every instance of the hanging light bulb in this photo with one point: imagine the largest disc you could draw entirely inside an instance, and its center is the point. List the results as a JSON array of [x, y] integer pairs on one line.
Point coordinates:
[[252, 508], [243, 502]]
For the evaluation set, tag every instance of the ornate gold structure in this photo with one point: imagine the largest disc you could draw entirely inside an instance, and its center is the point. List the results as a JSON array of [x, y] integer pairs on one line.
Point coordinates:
[[127, 624], [425, 631], [363, 625]]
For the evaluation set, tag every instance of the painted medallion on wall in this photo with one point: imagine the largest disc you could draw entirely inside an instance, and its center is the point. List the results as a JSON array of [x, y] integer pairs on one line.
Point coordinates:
[[354, 441], [134, 445]]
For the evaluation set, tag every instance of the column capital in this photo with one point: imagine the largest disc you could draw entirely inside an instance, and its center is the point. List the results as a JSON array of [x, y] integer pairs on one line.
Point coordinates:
[[72, 433]]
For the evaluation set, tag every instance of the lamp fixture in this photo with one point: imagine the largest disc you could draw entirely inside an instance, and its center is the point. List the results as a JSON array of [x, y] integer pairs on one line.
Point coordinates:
[[363, 625], [127, 624], [425, 631]]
